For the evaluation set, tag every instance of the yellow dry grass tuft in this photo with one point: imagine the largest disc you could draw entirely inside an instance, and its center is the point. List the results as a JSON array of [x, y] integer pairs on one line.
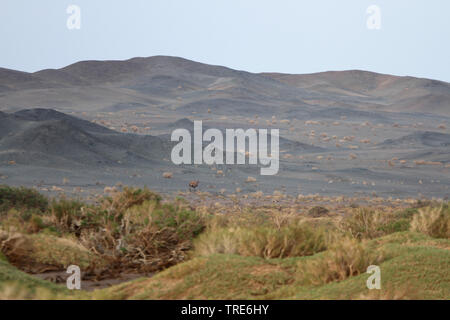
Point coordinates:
[[345, 258], [434, 222]]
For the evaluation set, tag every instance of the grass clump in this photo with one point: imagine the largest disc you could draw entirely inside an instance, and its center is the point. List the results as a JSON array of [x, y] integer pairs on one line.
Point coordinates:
[[346, 258], [290, 241], [119, 202], [364, 223], [44, 252], [434, 222], [69, 215], [263, 241]]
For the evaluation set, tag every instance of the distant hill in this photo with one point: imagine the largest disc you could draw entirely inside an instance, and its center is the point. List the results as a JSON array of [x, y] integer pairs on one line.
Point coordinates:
[[186, 86], [387, 92], [50, 138]]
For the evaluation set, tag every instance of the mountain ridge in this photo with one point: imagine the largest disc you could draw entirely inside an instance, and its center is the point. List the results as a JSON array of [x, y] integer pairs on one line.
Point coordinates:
[[165, 80]]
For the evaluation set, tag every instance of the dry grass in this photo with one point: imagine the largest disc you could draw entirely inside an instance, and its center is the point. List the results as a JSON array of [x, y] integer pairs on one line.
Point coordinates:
[[129, 229], [135, 230], [43, 252], [364, 223], [275, 237], [434, 222], [345, 258]]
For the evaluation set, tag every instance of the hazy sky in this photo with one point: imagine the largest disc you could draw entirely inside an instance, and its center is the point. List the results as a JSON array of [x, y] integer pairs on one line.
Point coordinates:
[[293, 36]]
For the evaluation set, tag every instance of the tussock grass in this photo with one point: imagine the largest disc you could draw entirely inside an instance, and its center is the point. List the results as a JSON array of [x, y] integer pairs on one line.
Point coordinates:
[[278, 250], [263, 241], [345, 258], [364, 223], [414, 267], [44, 252], [434, 222], [268, 235]]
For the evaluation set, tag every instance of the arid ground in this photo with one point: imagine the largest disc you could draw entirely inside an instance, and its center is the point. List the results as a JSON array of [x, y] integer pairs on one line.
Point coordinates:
[[86, 179], [352, 133]]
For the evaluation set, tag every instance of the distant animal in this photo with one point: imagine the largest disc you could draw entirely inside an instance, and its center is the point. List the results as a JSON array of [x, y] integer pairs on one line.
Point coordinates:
[[193, 185]]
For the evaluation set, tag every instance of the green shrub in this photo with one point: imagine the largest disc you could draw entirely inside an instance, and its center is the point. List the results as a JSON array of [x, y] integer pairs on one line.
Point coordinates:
[[186, 223], [399, 225], [11, 197], [64, 209], [72, 215], [407, 213], [116, 205], [156, 234], [368, 224]]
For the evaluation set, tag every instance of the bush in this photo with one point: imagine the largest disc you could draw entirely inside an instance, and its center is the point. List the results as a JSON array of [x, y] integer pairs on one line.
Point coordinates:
[[290, 241], [367, 224], [399, 225], [186, 223], [37, 252], [434, 222], [129, 228], [23, 220], [220, 241], [152, 215], [67, 214], [263, 241], [22, 198], [119, 202], [158, 235], [345, 258]]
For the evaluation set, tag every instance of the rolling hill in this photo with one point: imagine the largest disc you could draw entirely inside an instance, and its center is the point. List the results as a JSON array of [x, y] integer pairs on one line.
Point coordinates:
[[187, 86], [50, 138]]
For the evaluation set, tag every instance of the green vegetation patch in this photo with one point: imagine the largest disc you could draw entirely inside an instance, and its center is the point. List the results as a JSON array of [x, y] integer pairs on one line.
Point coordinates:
[[409, 270], [24, 198]]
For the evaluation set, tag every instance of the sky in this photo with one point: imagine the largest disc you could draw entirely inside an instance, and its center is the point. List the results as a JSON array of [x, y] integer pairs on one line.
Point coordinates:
[[290, 36]]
